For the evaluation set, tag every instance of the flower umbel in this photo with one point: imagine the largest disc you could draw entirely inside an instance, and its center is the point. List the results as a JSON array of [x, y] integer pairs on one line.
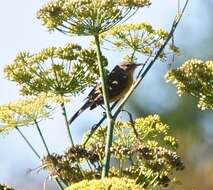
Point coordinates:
[[86, 17], [26, 111], [113, 183], [149, 157], [195, 78], [61, 71], [66, 166], [5, 187], [139, 37]]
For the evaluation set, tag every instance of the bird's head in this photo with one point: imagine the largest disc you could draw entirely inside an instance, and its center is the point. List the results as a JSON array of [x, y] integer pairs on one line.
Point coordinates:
[[129, 66]]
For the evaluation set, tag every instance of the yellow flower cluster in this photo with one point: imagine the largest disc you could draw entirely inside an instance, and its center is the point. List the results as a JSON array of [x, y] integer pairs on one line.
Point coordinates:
[[113, 183], [146, 139], [25, 111], [149, 129], [136, 3], [195, 78], [151, 123], [142, 151], [60, 70], [86, 17], [5, 187], [138, 37]]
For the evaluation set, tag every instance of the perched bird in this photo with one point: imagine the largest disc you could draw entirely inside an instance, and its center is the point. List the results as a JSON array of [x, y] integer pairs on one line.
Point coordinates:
[[118, 82]]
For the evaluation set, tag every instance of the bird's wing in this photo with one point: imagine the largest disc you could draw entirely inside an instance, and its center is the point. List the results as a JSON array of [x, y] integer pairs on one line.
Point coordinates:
[[116, 82], [95, 97]]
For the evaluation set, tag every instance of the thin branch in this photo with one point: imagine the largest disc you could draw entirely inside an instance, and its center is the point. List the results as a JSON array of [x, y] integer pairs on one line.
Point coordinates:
[[132, 123], [59, 184], [42, 138], [47, 150], [95, 126], [28, 143], [64, 113]]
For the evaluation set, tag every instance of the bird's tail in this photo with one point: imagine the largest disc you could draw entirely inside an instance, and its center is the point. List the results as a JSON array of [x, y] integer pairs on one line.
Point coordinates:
[[83, 108]]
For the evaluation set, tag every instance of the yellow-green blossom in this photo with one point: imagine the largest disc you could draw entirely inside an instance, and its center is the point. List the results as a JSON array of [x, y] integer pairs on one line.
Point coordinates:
[[86, 17], [140, 38], [113, 183], [142, 151], [5, 187], [195, 78], [63, 70], [26, 111], [148, 129], [144, 144]]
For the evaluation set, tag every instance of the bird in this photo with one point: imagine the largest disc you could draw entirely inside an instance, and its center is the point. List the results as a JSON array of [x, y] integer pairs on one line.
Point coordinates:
[[119, 81]]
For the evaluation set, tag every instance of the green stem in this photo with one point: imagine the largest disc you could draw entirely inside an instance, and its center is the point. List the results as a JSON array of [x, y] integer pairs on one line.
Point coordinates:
[[64, 113], [120, 167], [47, 150], [28, 143], [59, 184], [42, 137], [110, 120], [94, 127], [36, 153], [106, 163]]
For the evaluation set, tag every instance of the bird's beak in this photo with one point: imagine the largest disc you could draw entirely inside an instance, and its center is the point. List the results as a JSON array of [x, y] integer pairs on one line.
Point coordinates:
[[138, 64]]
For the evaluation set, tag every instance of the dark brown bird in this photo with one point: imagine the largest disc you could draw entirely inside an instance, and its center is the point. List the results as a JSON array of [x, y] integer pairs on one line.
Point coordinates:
[[118, 81]]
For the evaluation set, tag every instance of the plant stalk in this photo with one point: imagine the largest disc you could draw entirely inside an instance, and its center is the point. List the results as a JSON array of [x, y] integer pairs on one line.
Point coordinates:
[[110, 120], [47, 150], [59, 184], [64, 113], [95, 126], [28, 143], [42, 138]]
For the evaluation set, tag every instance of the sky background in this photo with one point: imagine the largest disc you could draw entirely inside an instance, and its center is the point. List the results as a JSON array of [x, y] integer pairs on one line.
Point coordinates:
[[21, 30]]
